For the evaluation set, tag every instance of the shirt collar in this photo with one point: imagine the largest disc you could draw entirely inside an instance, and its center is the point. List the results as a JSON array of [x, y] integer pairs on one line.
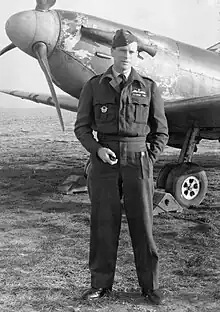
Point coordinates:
[[133, 75], [116, 73]]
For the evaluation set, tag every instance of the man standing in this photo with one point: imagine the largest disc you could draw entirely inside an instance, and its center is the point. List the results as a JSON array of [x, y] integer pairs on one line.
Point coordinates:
[[126, 110]]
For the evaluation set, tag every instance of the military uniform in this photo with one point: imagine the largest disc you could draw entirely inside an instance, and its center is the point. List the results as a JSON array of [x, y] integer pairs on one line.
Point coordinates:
[[123, 121]]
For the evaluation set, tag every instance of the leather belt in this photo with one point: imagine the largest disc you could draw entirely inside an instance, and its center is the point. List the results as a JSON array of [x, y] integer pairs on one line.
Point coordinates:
[[108, 137]]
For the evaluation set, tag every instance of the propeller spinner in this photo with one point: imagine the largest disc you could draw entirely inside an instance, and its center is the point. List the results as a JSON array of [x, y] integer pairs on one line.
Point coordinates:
[[36, 33]]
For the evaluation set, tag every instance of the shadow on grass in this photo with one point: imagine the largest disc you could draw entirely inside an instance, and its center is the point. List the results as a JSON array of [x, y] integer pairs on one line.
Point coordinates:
[[36, 188], [119, 300], [60, 207], [130, 297], [204, 209]]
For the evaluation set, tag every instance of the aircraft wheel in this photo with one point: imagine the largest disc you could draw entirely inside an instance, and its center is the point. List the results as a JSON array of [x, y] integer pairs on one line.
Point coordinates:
[[188, 183], [163, 174]]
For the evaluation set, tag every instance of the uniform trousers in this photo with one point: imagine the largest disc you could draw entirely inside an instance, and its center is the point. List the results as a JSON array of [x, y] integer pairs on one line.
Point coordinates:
[[133, 174]]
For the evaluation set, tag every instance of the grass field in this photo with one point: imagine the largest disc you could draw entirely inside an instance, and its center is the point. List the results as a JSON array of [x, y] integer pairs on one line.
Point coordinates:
[[44, 235]]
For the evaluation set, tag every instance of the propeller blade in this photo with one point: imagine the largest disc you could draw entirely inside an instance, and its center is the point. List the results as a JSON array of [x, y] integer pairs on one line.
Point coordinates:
[[44, 5], [8, 48], [40, 50], [106, 37]]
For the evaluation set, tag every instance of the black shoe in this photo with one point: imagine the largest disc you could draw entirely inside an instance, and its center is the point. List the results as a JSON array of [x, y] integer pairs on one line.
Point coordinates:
[[153, 296], [96, 293]]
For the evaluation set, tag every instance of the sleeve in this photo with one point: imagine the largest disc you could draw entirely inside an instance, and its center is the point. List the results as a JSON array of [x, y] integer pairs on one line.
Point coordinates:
[[85, 119], [158, 136]]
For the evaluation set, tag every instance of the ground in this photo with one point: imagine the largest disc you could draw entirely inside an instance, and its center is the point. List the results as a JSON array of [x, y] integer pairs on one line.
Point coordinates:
[[44, 235]]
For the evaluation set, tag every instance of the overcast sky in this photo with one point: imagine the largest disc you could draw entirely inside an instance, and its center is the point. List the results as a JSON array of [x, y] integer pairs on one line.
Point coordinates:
[[195, 22]]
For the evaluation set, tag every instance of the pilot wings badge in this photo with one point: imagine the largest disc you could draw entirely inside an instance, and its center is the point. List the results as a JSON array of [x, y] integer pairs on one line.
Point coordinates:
[[139, 92]]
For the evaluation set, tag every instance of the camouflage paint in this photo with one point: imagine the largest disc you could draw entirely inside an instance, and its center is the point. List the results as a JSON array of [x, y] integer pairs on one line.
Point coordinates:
[[180, 70], [70, 36]]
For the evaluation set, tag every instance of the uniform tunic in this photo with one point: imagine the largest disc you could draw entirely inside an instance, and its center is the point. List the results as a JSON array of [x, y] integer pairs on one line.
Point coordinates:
[[124, 121]]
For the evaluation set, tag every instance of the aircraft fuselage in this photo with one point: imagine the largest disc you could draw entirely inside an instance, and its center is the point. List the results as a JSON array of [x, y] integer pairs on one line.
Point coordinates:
[[180, 70]]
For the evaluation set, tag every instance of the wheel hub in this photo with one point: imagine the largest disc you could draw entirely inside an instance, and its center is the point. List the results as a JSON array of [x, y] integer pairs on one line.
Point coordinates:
[[190, 187]]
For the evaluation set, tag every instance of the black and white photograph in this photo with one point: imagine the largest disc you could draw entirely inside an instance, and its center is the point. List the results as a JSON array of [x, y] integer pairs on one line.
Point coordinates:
[[110, 156]]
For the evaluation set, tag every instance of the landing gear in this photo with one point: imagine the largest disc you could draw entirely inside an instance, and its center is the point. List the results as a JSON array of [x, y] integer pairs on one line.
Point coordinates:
[[186, 181]]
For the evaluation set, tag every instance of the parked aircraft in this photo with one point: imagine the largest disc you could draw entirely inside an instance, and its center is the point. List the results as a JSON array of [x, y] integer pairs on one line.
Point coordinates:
[[72, 47]]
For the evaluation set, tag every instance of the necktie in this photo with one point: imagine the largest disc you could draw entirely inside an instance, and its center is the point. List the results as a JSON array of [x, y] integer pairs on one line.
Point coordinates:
[[123, 81]]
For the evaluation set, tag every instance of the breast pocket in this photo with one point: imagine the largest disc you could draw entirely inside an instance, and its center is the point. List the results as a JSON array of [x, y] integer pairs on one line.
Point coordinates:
[[141, 105], [105, 111]]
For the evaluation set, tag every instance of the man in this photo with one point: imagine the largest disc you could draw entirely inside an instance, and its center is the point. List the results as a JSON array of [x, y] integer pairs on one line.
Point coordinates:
[[124, 110]]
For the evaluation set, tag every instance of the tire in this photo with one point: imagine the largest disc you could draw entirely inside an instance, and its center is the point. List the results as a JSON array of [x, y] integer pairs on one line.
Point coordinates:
[[188, 184], [163, 174]]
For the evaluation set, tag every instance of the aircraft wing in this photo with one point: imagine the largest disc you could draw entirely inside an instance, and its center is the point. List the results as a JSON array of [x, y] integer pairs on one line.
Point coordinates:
[[66, 101], [181, 113], [215, 48], [200, 111]]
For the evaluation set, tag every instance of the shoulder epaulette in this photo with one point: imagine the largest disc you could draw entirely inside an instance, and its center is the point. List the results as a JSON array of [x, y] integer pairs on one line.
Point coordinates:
[[96, 76], [147, 78]]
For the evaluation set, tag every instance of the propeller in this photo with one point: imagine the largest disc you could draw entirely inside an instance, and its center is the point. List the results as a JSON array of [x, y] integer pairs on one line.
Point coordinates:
[[44, 5], [8, 48], [27, 38], [106, 37], [40, 50]]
